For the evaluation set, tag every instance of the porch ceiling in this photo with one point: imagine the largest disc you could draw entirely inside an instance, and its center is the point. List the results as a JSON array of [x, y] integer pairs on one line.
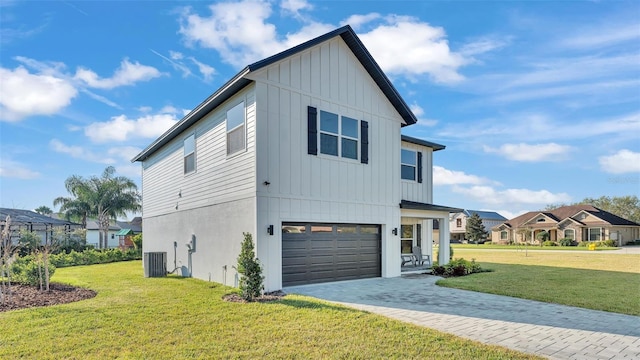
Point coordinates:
[[412, 205]]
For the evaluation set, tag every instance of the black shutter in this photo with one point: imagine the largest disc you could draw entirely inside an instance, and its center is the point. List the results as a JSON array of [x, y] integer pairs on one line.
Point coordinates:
[[419, 166], [364, 143], [312, 131]]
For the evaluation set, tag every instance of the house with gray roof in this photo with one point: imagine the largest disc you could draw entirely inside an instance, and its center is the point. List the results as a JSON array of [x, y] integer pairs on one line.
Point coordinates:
[[458, 222], [304, 151]]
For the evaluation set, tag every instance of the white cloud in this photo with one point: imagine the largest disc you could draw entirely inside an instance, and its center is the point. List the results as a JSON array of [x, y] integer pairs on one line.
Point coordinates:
[[489, 195], [176, 55], [484, 45], [16, 170], [121, 128], [424, 49], [531, 152], [79, 152], [442, 176], [25, 94], [597, 37], [241, 34], [356, 21], [124, 152], [206, 70], [176, 64], [295, 6], [624, 161], [418, 111], [127, 74]]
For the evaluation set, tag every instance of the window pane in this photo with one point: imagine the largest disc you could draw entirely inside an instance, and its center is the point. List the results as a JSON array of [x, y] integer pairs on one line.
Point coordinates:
[[328, 122], [189, 163], [235, 116], [235, 140], [329, 144], [407, 231], [503, 235], [189, 144], [594, 234], [349, 148], [368, 229], [293, 229], [406, 246], [408, 172], [569, 233], [408, 157], [346, 229], [419, 235], [349, 127], [321, 229]]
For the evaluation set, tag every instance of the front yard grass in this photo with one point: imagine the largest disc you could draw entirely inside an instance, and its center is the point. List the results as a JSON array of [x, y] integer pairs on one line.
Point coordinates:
[[599, 281], [178, 318], [530, 247]]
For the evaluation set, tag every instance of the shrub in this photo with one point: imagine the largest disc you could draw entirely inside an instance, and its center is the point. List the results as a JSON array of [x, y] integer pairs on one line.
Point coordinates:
[[583, 243], [549, 243], [251, 281], [566, 242], [92, 256], [607, 243], [487, 242], [26, 270], [458, 267]]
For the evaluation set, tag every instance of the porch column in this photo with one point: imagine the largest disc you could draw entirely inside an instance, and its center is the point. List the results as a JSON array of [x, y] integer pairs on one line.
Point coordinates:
[[443, 249], [427, 235]]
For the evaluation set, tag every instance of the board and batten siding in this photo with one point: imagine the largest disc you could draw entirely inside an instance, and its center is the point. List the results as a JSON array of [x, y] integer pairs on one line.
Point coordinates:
[[413, 190], [218, 178], [323, 188]]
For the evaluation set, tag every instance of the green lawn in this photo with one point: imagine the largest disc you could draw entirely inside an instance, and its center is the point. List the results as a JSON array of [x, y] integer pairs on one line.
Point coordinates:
[[176, 318], [600, 281], [530, 247]]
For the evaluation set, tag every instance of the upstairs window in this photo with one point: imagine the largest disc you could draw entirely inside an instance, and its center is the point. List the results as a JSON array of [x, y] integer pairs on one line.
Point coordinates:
[[190, 154], [459, 223], [409, 164], [236, 134], [338, 135]]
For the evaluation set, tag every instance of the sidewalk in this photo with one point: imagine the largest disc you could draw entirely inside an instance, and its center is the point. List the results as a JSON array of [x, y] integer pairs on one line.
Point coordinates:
[[550, 330]]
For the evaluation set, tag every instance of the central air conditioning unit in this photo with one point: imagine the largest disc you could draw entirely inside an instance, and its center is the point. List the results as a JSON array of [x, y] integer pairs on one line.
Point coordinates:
[[155, 264]]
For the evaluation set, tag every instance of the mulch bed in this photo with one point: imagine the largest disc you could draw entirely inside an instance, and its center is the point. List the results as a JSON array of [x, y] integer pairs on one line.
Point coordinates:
[[266, 297], [25, 296]]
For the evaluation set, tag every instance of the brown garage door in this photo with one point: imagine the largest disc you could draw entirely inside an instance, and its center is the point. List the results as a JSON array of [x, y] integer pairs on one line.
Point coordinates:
[[315, 253]]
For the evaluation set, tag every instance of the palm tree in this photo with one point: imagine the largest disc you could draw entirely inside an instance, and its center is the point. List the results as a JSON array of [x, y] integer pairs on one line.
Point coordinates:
[[43, 210], [105, 198]]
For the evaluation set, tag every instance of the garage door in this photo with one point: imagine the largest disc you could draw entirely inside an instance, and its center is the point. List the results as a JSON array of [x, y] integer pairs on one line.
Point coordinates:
[[315, 253]]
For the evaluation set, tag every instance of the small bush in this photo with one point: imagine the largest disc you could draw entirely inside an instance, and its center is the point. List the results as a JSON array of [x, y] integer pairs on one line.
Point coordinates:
[[566, 242], [458, 267], [583, 243], [26, 270], [251, 281], [549, 243], [487, 242], [607, 243], [92, 256]]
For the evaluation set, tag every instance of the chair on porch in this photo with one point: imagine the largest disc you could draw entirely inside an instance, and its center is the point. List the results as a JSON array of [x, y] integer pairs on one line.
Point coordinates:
[[420, 259]]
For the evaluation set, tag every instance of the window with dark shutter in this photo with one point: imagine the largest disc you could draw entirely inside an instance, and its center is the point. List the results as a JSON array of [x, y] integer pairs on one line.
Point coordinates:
[[312, 131]]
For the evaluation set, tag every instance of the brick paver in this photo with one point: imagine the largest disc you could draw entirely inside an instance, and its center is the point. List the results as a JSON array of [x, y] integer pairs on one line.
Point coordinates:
[[549, 330]]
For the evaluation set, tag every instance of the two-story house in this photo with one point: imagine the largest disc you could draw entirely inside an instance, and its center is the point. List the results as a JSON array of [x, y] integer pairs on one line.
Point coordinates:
[[304, 151], [458, 222]]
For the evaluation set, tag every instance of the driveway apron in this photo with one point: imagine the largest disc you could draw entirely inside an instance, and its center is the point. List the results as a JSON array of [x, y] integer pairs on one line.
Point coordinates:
[[549, 330]]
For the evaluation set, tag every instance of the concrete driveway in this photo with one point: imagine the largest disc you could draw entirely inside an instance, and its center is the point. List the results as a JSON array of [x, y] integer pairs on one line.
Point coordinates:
[[553, 331]]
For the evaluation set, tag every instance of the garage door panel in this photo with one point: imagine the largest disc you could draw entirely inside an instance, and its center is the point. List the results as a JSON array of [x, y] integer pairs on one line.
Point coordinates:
[[330, 252]]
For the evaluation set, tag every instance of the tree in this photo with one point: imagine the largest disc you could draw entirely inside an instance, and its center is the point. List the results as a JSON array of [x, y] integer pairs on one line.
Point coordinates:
[[7, 251], [105, 198], [475, 230], [44, 210], [627, 207], [251, 281]]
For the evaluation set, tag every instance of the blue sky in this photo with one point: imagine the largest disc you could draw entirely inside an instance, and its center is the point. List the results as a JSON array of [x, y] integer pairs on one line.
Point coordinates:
[[538, 102]]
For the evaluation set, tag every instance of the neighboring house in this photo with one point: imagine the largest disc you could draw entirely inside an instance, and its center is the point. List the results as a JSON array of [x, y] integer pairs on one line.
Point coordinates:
[[116, 228], [576, 222], [304, 151], [458, 222], [29, 220]]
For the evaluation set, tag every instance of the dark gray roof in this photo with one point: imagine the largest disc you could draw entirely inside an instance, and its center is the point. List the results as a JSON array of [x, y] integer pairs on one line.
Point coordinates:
[[239, 81], [26, 217], [492, 215], [406, 204], [426, 143]]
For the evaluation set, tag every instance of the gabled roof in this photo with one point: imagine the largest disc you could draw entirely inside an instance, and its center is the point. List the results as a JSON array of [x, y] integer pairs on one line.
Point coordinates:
[[93, 225], [426, 143], [565, 212], [28, 217], [490, 215], [239, 81]]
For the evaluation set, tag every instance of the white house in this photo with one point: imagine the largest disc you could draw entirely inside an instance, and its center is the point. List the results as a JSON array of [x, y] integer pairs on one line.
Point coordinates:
[[458, 222], [304, 151]]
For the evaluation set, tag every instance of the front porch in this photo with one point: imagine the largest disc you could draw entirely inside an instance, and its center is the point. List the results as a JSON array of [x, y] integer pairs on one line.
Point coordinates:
[[420, 224]]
